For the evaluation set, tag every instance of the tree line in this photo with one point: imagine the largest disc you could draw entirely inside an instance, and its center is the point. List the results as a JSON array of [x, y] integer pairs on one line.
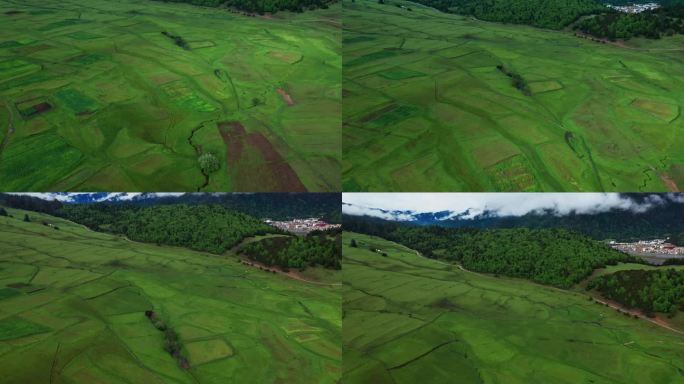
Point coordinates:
[[207, 227], [318, 249], [261, 6], [653, 24], [552, 14], [649, 291], [552, 256]]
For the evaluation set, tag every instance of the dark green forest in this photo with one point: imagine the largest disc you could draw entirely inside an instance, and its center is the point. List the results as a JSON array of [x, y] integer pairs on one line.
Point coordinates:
[[649, 291], [318, 249], [665, 21], [261, 6], [553, 14], [550, 256], [276, 206], [210, 228]]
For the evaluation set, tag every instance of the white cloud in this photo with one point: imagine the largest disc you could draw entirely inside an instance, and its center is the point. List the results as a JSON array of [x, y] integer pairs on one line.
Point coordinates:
[[503, 204]]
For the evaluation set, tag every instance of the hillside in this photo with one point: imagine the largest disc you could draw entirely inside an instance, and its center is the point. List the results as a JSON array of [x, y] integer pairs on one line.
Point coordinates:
[[550, 256], [280, 206], [654, 24], [650, 291], [261, 6], [297, 252], [84, 306], [210, 228], [405, 315], [554, 14]]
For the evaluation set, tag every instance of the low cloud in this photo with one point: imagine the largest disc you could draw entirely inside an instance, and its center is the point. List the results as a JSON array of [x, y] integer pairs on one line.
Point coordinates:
[[386, 205]]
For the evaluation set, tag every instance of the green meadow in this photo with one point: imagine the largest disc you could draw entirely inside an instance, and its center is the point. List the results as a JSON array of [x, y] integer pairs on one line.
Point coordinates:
[[429, 103], [407, 318], [73, 303], [100, 95]]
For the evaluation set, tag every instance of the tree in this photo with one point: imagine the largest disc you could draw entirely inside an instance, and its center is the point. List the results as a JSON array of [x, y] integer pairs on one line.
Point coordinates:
[[256, 101], [352, 243], [27, 218], [209, 163], [3, 212]]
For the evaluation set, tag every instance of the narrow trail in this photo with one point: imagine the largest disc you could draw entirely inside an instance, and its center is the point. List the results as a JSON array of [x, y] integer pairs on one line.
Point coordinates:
[[10, 129], [657, 322], [291, 275]]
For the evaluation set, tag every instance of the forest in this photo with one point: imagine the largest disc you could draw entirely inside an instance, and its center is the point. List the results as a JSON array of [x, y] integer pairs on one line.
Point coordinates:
[[316, 249], [276, 206], [261, 6], [647, 290], [665, 21], [552, 14], [549, 256], [209, 228]]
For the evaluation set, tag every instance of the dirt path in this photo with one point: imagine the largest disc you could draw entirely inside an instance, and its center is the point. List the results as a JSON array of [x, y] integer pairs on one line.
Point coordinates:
[[10, 128], [290, 274], [657, 321], [621, 44], [669, 182]]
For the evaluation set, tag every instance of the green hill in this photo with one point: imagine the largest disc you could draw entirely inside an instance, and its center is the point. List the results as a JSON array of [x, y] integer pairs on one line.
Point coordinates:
[[405, 315], [84, 306]]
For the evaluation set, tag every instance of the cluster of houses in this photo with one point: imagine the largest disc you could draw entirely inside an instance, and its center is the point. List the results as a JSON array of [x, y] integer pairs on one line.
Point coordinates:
[[302, 226], [635, 8], [653, 247]]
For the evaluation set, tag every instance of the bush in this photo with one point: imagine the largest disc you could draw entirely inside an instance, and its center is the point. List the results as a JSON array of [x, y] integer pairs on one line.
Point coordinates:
[[209, 163]]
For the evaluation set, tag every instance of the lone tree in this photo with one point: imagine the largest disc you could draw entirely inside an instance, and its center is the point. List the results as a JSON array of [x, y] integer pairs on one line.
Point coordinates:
[[27, 218], [352, 243], [209, 163], [3, 212]]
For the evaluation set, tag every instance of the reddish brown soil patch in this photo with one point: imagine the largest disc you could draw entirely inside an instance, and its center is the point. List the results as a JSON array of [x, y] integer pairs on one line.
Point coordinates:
[[253, 163], [286, 96], [669, 182], [42, 107], [233, 134]]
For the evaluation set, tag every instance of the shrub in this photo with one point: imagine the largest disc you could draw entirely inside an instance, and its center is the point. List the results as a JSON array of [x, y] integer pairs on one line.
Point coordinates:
[[209, 163]]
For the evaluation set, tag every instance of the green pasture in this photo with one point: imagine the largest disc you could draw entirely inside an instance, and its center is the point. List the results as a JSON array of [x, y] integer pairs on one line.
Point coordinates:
[[73, 302], [140, 110], [407, 318], [472, 130]]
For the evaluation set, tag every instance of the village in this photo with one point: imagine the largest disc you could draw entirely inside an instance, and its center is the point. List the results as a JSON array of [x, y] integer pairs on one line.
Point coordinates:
[[302, 226], [657, 247], [635, 8]]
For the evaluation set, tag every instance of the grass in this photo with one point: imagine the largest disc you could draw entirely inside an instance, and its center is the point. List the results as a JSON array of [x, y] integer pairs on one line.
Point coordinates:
[[623, 103], [80, 313], [116, 82], [405, 315]]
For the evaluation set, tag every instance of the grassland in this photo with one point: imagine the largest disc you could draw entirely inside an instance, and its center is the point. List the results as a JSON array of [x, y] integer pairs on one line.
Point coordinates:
[[94, 96], [406, 318], [426, 108], [73, 302]]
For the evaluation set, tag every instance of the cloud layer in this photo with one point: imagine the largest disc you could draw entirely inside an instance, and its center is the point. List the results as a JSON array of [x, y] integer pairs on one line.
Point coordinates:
[[399, 206]]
